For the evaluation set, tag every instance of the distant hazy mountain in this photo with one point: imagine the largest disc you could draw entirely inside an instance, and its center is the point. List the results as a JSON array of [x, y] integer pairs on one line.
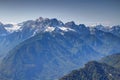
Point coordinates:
[[112, 60], [114, 29], [94, 71]]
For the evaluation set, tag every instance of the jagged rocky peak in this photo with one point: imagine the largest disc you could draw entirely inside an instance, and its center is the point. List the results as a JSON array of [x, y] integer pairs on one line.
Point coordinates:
[[103, 28], [56, 23], [82, 26], [40, 19], [117, 27], [69, 24], [49, 22]]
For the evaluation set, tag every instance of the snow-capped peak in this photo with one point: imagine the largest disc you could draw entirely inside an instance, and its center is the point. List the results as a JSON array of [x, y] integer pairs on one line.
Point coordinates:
[[14, 27]]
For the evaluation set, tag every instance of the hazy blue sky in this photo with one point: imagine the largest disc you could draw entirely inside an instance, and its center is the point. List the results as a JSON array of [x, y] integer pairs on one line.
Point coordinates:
[[90, 12]]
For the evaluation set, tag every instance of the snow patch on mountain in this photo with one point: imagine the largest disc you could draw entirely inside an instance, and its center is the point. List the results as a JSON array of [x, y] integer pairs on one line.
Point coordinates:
[[13, 28], [66, 29], [50, 29]]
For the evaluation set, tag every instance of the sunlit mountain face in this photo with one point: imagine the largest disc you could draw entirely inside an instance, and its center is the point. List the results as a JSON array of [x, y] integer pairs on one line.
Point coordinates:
[[47, 49]]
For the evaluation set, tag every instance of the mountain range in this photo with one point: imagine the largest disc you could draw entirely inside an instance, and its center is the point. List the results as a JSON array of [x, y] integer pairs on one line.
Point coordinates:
[[13, 34], [46, 49]]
